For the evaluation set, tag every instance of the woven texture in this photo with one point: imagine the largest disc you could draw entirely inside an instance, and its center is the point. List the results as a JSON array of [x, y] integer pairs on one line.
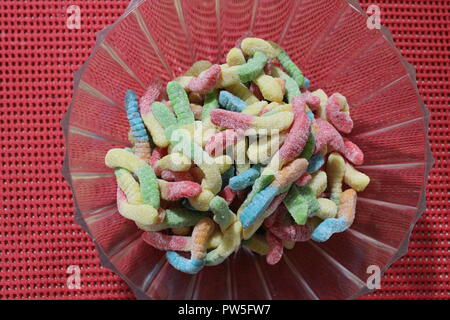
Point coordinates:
[[38, 238]]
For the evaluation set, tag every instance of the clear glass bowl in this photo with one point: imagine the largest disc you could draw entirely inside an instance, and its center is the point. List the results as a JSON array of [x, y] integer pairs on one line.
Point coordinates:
[[333, 46]]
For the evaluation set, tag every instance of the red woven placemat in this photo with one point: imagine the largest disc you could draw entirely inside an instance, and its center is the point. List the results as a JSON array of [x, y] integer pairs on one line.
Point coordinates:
[[38, 237]]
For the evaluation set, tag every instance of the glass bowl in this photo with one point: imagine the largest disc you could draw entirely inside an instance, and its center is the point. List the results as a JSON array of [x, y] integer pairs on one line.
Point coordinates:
[[332, 44]]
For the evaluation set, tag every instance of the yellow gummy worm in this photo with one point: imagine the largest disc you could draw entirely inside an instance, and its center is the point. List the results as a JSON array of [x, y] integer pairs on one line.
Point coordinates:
[[231, 240], [270, 88], [242, 92], [197, 68], [318, 183], [255, 108], [251, 45], [335, 173], [228, 76], [322, 111], [128, 185], [328, 209], [175, 162], [355, 179], [139, 213], [280, 121], [262, 150], [258, 244], [156, 130], [235, 57], [347, 206]]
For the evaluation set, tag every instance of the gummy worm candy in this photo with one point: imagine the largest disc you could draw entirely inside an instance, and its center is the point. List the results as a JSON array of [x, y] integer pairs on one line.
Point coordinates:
[[206, 81], [301, 203], [245, 179], [228, 194], [173, 191], [262, 200], [346, 215], [222, 214], [328, 209], [197, 68], [275, 248], [253, 67], [137, 126], [250, 46], [175, 218], [318, 183], [291, 68], [353, 153], [166, 242], [339, 118], [304, 179], [231, 240], [239, 121], [211, 103], [231, 102], [235, 57], [180, 103], [242, 92], [119, 158], [270, 88], [139, 213], [175, 161], [335, 174], [128, 185], [357, 180], [292, 88], [309, 148], [262, 151], [254, 89], [228, 76], [315, 163], [296, 233], [327, 134]]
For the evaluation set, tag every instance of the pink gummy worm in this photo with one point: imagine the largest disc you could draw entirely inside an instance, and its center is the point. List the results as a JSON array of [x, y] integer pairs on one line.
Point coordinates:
[[157, 154], [275, 248], [228, 194], [173, 176], [353, 153], [183, 189], [304, 179], [205, 82], [217, 143], [312, 101], [166, 242], [256, 91], [327, 134], [295, 232], [339, 119], [298, 135], [231, 120], [151, 95]]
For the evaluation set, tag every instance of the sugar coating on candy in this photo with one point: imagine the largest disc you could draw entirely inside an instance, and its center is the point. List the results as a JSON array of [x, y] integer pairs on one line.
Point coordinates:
[[242, 92], [290, 67], [337, 115], [128, 185], [327, 209], [134, 117], [291, 87], [211, 103], [309, 148], [245, 179], [222, 214], [301, 203], [173, 176], [235, 57], [139, 213], [315, 163], [228, 194], [257, 207], [203, 230], [180, 103], [175, 162], [197, 68], [190, 266], [275, 252], [173, 191], [270, 88], [166, 242], [231, 240], [329, 227], [206, 81], [298, 135], [347, 206], [280, 121], [253, 67], [303, 180], [353, 153], [261, 151], [318, 182], [149, 97], [228, 76], [293, 232], [355, 179], [290, 173], [251, 46], [327, 134], [335, 173], [231, 120], [231, 102]]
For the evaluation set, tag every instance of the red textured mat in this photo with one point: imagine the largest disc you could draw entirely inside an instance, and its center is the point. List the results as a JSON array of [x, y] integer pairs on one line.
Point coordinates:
[[38, 237]]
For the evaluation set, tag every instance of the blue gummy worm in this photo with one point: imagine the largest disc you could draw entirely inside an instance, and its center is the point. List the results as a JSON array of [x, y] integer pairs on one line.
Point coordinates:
[[134, 118], [257, 207], [306, 83], [245, 179], [328, 227], [231, 102], [191, 266], [315, 163]]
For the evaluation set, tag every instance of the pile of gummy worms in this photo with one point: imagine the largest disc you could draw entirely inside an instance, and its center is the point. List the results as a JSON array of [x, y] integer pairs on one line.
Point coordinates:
[[238, 153]]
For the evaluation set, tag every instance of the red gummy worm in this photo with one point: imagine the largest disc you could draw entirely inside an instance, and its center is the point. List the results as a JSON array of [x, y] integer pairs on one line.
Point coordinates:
[[205, 82], [231, 120], [217, 143], [339, 119], [228, 194], [166, 242], [183, 189], [275, 248]]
